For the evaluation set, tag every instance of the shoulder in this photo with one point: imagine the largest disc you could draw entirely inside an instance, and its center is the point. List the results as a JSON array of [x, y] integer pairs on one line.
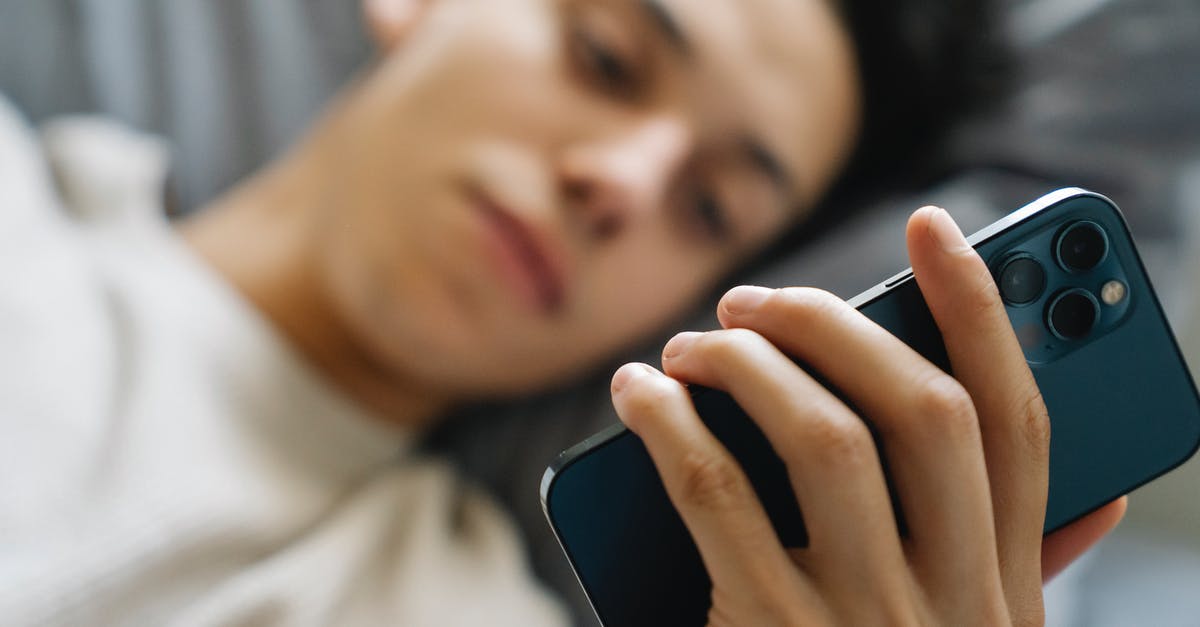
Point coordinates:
[[445, 536], [26, 189], [79, 168]]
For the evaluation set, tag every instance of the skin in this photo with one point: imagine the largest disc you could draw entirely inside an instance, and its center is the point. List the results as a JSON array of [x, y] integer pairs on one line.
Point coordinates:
[[367, 247], [969, 456], [366, 244]]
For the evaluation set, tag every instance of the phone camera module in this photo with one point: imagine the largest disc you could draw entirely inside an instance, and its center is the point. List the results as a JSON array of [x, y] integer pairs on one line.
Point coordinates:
[[1022, 280], [1082, 246], [1073, 314]]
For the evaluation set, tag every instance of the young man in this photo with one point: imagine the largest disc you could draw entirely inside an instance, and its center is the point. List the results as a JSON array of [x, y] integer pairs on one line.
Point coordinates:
[[204, 426]]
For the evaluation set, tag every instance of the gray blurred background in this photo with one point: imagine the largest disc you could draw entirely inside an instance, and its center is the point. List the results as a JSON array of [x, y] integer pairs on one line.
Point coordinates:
[[1109, 99]]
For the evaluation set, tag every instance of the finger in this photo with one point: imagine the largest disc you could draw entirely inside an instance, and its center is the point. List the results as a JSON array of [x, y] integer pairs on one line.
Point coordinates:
[[831, 460], [1066, 545], [988, 361], [926, 422], [737, 543]]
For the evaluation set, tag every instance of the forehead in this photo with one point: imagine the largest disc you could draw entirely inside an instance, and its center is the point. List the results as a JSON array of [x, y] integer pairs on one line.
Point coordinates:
[[779, 70]]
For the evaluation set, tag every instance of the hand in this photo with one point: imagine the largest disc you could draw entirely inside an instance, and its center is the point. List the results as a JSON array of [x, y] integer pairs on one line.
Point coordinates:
[[968, 455]]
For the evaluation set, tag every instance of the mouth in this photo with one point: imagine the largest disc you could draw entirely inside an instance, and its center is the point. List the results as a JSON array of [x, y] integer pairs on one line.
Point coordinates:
[[523, 255]]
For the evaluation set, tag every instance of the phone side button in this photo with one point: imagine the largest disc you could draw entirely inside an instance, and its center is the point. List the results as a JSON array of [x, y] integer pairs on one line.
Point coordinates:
[[898, 279]]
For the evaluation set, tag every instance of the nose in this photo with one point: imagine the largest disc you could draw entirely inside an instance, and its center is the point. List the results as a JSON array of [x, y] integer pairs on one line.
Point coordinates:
[[612, 180]]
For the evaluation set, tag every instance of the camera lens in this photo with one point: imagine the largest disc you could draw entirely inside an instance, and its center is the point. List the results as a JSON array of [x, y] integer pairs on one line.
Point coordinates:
[[1082, 246], [1072, 315], [1022, 280]]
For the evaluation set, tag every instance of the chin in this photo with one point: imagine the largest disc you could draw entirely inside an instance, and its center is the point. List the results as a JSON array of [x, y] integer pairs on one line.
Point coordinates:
[[500, 376]]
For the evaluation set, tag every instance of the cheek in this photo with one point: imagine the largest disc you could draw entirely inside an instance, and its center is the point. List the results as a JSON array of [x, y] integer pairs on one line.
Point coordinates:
[[416, 129], [412, 132], [640, 290], [460, 74]]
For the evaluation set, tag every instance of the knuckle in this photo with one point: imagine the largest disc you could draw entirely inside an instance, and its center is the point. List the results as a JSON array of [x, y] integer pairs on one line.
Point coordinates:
[[809, 304], [711, 481], [983, 296], [944, 405], [728, 345], [648, 397], [1033, 422], [840, 441]]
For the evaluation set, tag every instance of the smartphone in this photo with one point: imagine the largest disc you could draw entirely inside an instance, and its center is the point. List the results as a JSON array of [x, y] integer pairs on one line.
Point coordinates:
[[1123, 410]]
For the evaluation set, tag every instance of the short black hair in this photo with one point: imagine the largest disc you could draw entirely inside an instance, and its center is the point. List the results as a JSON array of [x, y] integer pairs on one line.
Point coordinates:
[[924, 67]]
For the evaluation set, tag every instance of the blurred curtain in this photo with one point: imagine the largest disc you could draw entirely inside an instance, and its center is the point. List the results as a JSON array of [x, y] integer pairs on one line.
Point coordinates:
[[229, 82]]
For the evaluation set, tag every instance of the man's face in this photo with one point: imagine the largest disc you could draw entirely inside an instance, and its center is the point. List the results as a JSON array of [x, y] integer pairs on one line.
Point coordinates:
[[526, 186]]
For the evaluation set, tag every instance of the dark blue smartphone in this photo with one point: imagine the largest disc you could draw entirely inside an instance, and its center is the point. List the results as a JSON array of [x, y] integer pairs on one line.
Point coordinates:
[[1123, 410]]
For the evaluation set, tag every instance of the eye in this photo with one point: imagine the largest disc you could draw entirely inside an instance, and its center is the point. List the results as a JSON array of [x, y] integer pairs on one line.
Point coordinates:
[[711, 216], [602, 63]]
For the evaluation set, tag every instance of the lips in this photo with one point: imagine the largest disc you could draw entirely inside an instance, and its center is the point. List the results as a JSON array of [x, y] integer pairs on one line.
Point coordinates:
[[525, 256]]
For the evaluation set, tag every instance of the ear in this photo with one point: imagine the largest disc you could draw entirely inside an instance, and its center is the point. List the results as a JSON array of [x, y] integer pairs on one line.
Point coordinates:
[[390, 21]]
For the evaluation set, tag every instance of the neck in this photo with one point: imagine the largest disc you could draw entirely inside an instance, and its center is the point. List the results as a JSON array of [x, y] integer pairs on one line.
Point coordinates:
[[260, 238]]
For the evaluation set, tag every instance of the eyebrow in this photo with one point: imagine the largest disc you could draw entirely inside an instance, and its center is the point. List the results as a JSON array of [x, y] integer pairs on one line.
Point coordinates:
[[667, 25], [759, 155]]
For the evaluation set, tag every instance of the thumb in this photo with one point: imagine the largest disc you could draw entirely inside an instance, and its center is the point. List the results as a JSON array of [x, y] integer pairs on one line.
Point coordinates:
[[1064, 546]]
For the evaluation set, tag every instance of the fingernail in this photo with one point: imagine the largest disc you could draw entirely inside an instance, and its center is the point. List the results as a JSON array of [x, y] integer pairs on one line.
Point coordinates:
[[744, 299], [679, 344], [627, 373], [945, 232]]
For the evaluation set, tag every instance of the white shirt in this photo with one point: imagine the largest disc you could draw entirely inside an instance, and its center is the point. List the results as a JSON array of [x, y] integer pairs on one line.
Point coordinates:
[[165, 456]]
